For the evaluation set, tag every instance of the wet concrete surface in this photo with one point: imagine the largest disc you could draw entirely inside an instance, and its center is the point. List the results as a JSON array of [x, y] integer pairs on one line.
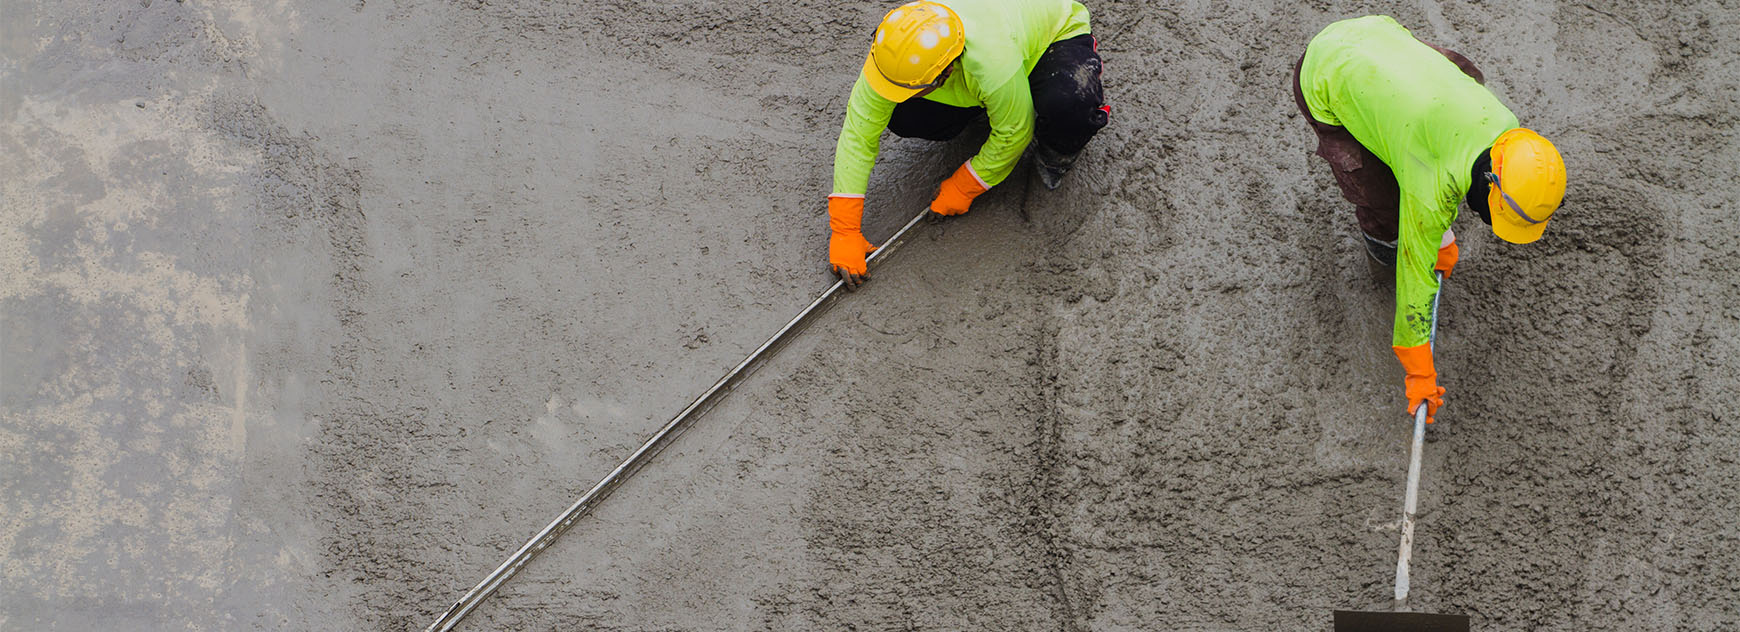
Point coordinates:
[[312, 314]]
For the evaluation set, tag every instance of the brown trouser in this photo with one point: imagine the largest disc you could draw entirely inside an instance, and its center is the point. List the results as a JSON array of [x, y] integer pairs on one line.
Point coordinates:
[[1364, 179]]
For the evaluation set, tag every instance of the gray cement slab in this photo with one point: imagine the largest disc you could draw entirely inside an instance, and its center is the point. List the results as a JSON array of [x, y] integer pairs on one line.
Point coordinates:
[[313, 312]]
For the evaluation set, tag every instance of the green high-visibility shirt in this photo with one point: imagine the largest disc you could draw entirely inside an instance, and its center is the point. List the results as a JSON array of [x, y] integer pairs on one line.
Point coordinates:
[[1424, 118], [1004, 41]]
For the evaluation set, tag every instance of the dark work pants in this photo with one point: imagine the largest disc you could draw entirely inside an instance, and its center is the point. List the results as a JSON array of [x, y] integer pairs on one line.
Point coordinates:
[[1364, 179], [1067, 98]]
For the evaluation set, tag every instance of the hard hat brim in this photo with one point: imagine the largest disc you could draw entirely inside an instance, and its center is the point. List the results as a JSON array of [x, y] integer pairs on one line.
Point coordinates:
[[882, 85]]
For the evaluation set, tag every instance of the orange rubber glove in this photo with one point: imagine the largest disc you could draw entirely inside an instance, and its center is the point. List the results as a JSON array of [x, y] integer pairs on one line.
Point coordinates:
[[1447, 257], [1422, 380], [846, 244], [958, 191]]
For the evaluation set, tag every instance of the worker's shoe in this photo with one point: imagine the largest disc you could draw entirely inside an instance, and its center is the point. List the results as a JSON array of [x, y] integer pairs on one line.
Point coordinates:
[[1383, 252], [1052, 166]]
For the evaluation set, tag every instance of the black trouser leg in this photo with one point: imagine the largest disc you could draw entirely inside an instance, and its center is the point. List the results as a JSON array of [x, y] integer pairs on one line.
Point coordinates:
[[1068, 101], [929, 120], [1067, 96]]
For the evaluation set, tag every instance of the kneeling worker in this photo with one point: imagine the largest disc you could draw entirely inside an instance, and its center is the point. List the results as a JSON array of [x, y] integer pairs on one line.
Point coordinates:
[[1409, 131], [935, 67]]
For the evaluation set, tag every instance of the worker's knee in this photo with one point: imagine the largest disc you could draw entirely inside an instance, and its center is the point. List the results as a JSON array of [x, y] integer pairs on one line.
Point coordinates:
[[1068, 101]]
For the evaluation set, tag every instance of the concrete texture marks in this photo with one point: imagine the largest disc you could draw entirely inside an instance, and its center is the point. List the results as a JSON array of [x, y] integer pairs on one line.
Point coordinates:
[[311, 313]]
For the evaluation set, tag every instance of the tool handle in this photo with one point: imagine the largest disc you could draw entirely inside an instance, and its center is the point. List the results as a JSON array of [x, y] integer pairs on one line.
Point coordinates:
[[1410, 504], [1411, 500], [548, 535], [899, 237]]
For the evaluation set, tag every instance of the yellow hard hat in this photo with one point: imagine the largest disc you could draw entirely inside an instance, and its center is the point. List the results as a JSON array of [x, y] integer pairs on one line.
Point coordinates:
[[1525, 186], [913, 45]]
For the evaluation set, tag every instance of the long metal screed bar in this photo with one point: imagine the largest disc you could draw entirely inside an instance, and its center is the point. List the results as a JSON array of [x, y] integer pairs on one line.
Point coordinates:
[[659, 439]]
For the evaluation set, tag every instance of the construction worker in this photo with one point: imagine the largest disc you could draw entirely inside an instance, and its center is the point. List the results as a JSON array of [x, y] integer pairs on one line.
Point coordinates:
[[1030, 66], [1410, 130]]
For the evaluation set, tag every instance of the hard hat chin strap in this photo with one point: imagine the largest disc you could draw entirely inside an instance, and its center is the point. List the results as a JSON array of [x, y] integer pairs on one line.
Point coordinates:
[[1514, 207]]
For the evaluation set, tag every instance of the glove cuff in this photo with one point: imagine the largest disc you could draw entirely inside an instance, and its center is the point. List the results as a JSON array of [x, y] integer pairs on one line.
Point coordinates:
[[845, 213], [1448, 253], [1421, 385], [969, 180], [966, 183], [1417, 361], [956, 194]]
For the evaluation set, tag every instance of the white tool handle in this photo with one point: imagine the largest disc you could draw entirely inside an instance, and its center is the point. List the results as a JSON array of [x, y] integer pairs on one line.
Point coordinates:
[[1411, 500], [1410, 503]]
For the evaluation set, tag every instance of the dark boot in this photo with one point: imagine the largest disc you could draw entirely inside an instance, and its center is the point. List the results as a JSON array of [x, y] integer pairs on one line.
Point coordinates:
[[1052, 166], [1383, 252]]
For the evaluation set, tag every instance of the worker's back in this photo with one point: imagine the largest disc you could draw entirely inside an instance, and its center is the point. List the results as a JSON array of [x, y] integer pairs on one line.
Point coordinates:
[[1404, 101], [1004, 40]]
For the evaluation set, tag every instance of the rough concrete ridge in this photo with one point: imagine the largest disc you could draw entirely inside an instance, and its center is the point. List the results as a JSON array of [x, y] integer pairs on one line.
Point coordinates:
[[312, 312]]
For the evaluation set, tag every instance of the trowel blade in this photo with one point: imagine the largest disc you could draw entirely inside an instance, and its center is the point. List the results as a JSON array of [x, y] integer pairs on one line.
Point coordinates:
[[1357, 621]]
